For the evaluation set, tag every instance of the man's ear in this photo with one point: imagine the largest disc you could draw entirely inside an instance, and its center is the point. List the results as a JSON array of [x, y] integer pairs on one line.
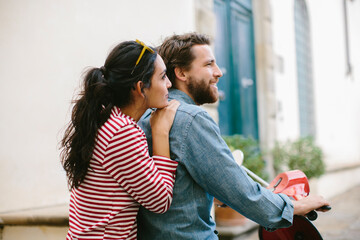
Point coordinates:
[[180, 74]]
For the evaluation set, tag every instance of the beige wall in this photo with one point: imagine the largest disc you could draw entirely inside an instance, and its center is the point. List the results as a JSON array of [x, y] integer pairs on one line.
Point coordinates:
[[266, 100], [45, 45]]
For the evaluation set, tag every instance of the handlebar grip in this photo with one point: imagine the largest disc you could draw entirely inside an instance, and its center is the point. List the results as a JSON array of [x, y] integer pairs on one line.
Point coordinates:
[[326, 207], [312, 216]]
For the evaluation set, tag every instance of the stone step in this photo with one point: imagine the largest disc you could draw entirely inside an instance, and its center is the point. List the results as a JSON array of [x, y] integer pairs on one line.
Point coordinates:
[[38, 224]]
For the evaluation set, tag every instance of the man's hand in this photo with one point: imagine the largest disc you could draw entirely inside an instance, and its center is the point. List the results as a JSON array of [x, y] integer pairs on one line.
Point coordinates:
[[307, 204]]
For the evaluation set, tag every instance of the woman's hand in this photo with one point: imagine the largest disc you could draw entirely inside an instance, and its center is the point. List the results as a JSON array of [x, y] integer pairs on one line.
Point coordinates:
[[162, 119], [309, 203]]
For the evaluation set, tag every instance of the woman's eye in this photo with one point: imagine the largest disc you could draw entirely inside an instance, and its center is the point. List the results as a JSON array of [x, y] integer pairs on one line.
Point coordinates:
[[164, 76]]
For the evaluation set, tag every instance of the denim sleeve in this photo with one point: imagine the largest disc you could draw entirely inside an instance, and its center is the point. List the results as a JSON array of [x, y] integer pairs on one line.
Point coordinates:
[[211, 164]]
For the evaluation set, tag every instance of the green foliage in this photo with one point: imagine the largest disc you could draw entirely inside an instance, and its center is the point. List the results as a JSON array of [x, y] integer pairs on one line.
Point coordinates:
[[301, 154], [252, 155]]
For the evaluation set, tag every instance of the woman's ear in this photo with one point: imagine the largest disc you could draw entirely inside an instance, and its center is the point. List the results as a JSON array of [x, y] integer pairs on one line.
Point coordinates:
[[138, 89], [180, 74]]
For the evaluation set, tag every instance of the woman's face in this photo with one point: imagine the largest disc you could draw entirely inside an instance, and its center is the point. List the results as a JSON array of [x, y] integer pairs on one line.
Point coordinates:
[[157, 95]]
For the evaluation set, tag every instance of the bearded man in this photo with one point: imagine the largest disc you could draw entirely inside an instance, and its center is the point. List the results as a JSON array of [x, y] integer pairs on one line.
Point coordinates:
[[206, 166]]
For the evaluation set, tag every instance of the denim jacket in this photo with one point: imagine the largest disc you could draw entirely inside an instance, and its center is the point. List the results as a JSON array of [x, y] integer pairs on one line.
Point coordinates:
[[206, 169]]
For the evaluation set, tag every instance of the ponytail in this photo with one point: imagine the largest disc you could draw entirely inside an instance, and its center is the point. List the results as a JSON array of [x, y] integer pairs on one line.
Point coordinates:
[[89, 112]]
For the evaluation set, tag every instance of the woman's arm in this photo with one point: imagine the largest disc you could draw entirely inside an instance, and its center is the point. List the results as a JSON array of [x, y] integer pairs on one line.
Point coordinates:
[[161, 121], [128, 161]]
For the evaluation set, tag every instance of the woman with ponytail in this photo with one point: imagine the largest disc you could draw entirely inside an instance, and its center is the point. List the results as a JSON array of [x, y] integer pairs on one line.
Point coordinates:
[[104, 152]]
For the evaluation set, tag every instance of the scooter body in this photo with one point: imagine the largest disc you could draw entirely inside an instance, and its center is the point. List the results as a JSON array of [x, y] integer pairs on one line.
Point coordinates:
[[301, 229], [294, 184]]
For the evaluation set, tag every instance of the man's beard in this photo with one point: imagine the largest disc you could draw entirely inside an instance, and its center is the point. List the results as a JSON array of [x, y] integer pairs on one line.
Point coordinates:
[[201, 91]]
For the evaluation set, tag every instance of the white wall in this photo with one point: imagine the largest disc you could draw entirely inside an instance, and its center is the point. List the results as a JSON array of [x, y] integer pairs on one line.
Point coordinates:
[[337, 95], [45, 46], [286, 89]]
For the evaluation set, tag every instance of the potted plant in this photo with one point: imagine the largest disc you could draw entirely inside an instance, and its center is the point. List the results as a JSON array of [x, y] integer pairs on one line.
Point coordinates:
[[302, 154]]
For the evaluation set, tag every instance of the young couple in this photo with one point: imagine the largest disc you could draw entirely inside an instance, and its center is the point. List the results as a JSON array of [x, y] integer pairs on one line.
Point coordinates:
[[121, 163]]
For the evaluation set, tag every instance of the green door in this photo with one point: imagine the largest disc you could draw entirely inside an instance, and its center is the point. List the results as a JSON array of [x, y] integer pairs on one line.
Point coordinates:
[[234, 50]]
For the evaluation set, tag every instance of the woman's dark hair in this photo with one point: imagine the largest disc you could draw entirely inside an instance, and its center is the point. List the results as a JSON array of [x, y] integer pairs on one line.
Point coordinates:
[[176, 51], [103, 88]]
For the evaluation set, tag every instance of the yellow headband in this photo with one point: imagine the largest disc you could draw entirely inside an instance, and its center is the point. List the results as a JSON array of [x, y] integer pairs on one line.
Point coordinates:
[[142, 53], [143, 50]]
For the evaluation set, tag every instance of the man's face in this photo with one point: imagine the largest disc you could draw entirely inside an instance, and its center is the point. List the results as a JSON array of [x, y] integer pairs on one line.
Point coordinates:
[[203, 76]]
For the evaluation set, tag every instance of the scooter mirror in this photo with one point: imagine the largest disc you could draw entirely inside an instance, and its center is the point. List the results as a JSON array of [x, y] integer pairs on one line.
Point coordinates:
[[238, 156]]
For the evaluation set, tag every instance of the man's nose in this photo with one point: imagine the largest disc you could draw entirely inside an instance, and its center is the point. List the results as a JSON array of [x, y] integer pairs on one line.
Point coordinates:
[[218, 72]]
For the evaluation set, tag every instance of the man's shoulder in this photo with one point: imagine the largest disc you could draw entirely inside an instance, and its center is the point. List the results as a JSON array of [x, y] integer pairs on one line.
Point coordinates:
[[192, 118], [190, 109], [186, 113], [187, 104], [185, 110]]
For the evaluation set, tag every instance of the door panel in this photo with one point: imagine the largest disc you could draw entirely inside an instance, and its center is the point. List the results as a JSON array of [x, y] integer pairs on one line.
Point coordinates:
[[222, 51], [234, 50], [244, 70]]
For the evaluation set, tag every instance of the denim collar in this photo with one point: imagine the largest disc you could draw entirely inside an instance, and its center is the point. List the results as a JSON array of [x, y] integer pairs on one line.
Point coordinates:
[[180, 95]]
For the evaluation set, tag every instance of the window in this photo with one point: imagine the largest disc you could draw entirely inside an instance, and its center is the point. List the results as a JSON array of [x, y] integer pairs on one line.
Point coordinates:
[[304, 69]]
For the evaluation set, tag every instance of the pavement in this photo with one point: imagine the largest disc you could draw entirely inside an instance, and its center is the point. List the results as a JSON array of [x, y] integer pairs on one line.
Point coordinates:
[[342, 222]]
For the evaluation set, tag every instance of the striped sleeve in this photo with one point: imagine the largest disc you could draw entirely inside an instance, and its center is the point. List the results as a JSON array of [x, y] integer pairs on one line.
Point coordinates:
[[166, 167], [149, 181]]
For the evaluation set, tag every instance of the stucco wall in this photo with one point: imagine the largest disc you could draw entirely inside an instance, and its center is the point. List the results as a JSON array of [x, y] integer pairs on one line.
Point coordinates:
[[45, 46], [287, 114], [337, 98]]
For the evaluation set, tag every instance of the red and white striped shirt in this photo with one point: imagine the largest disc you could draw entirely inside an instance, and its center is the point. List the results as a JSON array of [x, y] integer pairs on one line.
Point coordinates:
[[121, 176]]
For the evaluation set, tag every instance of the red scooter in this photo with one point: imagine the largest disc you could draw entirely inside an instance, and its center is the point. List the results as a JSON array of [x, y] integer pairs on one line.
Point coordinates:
[[295, 185]]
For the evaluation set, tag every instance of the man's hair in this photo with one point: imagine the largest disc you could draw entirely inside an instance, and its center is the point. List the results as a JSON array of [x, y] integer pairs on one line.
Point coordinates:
[[176, 51]]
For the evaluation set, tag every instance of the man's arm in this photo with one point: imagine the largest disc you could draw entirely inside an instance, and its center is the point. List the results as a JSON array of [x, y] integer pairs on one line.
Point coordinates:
[[211, 165]]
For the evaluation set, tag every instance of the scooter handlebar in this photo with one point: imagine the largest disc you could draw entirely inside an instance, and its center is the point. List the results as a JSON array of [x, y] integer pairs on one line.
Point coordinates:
[[312, 215]]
